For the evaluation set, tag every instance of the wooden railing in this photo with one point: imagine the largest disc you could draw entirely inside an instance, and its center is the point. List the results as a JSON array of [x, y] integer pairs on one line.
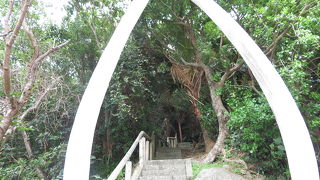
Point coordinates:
[[172, 141], [146, 152]]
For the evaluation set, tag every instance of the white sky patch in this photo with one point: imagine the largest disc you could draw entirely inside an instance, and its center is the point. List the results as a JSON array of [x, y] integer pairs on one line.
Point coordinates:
[[54, 10]]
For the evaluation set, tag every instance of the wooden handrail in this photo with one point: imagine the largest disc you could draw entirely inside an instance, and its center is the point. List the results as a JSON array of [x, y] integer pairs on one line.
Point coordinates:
[[127, 156]]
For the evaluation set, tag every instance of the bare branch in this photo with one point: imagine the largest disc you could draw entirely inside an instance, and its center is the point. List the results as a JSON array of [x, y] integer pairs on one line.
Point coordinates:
[[28, 147], [6, 121], [306, 8], [4, 35], [33, 41], [191, 64], [179, 23], [93, 29], [37, 104], [236, 13], [32, 72], [51, 51], [17, 28], [273, 45], [7, 18], [9, 42], [228, 72], [221, 41], [252, 84]]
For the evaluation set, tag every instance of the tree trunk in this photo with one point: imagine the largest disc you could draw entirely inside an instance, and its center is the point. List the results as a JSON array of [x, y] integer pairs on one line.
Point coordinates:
[[107, 142], [27, 144], [208, 142], [222, 115], [6, 121], [180, 131]]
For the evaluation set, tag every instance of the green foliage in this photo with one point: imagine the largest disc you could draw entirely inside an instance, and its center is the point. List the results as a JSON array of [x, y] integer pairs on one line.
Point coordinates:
[[254, 131], [24, 168], [208, 119]]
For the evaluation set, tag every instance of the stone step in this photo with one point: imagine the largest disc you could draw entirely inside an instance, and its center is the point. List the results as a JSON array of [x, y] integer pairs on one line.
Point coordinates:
[[164, 172], [183, 177], [178, 169], [168, 153], [185, 144], [164, 166], [162, 157], [172, 151], [165, 162], [168, 150], [169, 158]]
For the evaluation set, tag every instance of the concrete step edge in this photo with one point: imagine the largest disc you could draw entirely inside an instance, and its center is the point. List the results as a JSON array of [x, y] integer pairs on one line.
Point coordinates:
[[163, 178]]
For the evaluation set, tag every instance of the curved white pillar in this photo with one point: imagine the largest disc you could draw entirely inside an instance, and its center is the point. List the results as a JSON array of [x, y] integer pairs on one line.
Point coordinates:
[[295, 135], [77, 163], [300, 153]]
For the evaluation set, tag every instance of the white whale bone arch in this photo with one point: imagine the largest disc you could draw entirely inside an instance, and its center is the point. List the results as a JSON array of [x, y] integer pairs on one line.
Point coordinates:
[[296, 139]]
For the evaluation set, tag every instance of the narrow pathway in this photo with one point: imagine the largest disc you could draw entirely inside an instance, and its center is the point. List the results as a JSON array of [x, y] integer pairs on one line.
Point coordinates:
[[168, 165]]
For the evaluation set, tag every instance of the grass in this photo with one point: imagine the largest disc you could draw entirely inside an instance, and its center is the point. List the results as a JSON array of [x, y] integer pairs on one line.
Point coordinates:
[[197, 167], [233, 167]]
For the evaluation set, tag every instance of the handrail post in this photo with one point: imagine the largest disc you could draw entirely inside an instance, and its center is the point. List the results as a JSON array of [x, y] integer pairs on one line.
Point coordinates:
[[147, 151], [128, 172], [142, 144], [151, 150], [175, 142], [153, 146]]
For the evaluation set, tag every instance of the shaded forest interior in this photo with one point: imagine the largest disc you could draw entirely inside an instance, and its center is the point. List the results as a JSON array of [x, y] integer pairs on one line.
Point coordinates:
[[177, 71]]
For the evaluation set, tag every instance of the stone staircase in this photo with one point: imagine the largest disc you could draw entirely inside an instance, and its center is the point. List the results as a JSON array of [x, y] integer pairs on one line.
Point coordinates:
[[168, 165], [168, 153], [186, 146], [173, 169]]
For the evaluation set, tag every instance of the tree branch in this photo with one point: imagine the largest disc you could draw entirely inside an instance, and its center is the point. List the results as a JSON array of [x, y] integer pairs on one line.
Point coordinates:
[[35, 106], [7, 18], [273, 45], [93, 29], [191, 64], [33, 41], [306, 8], [228, 72], [251, 84], [28, 147], [39, 100], [221, 41], [4, 35], [40, 58], [17, 28], [32, 72], [9, 42], [172, 11]]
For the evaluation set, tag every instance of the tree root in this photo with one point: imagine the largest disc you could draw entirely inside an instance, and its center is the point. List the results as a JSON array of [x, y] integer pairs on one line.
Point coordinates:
[[238, 161]]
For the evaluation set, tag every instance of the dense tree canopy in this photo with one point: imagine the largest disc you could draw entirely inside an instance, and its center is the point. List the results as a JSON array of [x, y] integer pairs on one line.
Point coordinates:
[[177, 70]]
